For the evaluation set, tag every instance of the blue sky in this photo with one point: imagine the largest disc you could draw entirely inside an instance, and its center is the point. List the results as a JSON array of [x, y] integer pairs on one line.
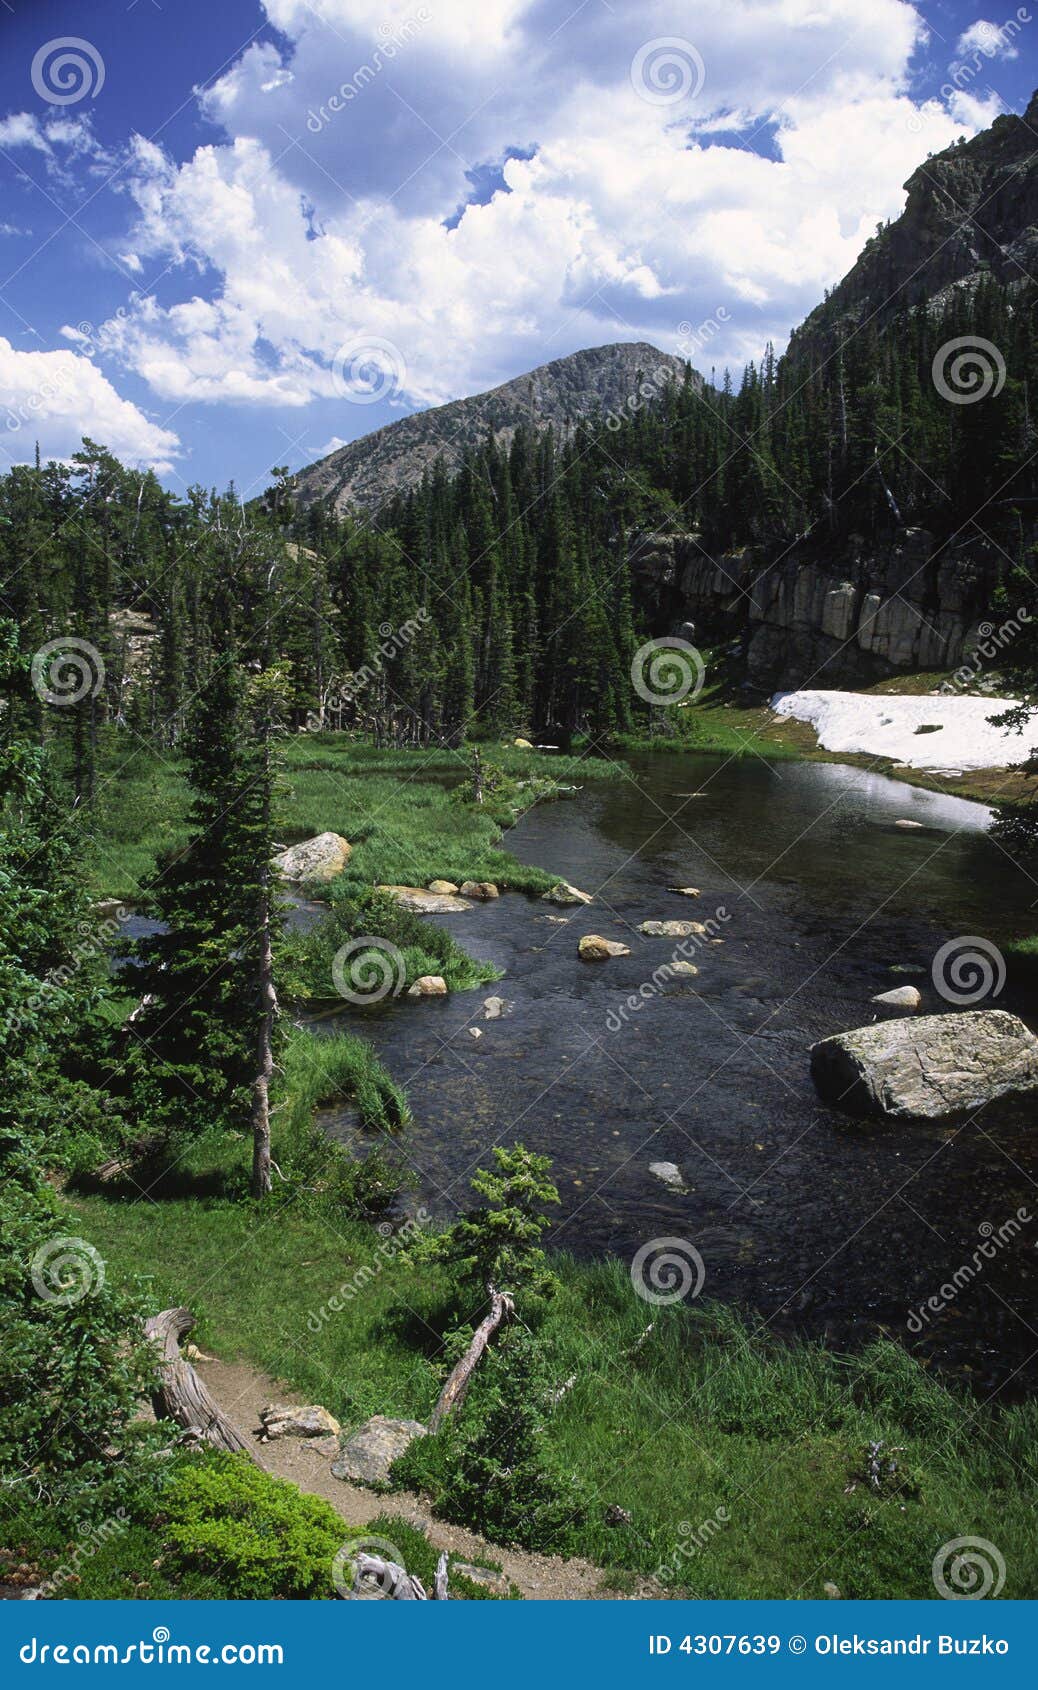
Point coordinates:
[[234, 234]]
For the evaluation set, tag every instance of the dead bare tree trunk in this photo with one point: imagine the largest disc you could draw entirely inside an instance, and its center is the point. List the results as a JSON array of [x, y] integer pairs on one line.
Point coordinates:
[[452, 1396], [180, 1394], [268, 1009], [477, 775]]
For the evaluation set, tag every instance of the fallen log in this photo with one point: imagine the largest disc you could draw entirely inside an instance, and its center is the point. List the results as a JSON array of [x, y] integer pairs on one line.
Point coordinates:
[[180, 1394], [377, 1578], [452, 1396]]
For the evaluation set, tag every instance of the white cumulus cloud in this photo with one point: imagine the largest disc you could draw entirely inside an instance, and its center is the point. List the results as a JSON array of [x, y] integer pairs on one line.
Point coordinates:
[[58, 397]]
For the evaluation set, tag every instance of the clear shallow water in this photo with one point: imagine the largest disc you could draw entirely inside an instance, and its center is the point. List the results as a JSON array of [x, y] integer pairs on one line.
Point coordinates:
[[821, 1223]]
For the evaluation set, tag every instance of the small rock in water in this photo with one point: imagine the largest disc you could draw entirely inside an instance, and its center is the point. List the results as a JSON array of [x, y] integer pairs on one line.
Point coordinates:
[[908, 825], [474, 1033], [428, 986], [683, 969], [593, 948], [481, 890], [564, 893], [445, 888], [494, 1008], [671, 929], [902, 997], [669, 1173], [685, 891]]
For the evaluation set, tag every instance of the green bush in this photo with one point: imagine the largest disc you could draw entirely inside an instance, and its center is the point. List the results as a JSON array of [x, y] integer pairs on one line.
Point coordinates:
[[260, 1536]]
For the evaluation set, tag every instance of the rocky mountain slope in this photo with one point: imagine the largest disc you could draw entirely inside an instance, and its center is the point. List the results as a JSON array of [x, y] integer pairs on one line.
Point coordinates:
[[839, 607], [603, 379]]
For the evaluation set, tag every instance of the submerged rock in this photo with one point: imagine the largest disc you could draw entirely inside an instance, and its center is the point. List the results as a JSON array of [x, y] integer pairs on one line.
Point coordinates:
[[369, 1454], [935, 1066], [671, 929], [901, 997], [593, 948], [320, 858], [424, 902], [564, 893]]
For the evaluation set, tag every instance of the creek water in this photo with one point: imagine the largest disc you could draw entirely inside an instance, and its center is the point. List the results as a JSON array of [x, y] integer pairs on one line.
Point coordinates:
[[833, 1226]]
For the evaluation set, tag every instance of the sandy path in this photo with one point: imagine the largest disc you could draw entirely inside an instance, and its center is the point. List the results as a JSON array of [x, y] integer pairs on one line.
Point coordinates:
[[242, 1391]]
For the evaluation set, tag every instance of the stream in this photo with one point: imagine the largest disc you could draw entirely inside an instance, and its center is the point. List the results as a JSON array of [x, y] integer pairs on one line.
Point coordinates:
[[822, 1224]]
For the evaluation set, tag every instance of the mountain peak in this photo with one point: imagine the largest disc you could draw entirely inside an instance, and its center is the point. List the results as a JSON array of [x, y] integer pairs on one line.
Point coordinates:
[[602, 380]]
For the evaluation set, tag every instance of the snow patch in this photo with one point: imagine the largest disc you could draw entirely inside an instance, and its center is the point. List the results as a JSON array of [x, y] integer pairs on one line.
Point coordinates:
[[890, 724]]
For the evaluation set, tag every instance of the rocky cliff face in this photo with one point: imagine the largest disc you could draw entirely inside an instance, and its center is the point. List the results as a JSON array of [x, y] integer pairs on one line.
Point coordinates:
[[843, 611], [856, 616], [603, 380]]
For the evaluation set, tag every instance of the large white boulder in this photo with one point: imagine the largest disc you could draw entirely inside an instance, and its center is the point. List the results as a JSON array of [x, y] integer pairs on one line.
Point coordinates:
[[931, 1066]]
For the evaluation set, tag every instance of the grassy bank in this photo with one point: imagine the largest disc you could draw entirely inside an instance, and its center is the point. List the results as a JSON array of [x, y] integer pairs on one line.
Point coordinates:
[[405, 812], [741, 1461]]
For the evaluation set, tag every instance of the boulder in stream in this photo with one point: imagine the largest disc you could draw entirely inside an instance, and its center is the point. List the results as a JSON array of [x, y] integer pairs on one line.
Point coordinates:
[[320, 859], [929, 1067], [671, 929], [423, 902], [564, 893], [482, 890], [905, 998], [428, 986], [593, 948]]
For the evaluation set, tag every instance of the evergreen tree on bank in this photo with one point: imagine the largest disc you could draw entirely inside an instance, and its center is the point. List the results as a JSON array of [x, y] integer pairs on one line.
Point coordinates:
[[202, 1041]]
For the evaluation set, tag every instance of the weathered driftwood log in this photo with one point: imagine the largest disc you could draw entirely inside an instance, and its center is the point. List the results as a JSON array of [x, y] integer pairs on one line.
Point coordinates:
[[180, 1394], [454, 1391], [376, 1577]]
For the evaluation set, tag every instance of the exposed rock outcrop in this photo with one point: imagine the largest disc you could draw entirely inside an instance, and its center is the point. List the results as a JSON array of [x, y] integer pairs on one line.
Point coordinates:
[[931, 1067], [319, 859], [369, 1454]]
